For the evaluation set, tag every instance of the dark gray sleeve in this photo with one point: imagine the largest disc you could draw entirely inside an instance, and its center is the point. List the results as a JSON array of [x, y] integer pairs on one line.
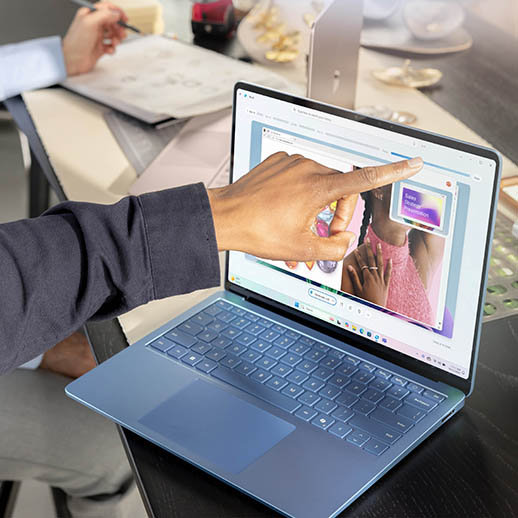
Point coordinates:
[[82, 261]]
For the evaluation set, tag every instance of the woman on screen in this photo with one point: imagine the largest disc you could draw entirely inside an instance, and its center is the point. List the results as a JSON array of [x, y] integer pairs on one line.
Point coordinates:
[[393, 266]]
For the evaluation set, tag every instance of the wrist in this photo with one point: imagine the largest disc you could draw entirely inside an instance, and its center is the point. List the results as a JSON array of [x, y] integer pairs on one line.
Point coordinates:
[[226, 220]]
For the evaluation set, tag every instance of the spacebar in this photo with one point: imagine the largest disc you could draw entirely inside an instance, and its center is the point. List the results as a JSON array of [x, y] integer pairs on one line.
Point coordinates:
[[256, 389]]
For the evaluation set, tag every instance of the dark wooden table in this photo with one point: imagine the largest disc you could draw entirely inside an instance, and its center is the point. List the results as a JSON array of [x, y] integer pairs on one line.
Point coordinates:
[[468, 468]]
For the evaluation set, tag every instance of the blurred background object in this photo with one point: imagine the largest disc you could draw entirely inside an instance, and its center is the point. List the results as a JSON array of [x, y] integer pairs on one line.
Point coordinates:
[[213, 17], [146, 15]]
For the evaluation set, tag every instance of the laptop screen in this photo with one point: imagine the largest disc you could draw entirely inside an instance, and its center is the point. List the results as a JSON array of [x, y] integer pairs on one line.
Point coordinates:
[[432, 228]]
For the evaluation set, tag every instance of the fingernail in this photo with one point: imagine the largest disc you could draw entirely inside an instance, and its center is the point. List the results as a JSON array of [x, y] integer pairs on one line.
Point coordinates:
[[350, 268], [414, 163], [368, 241], [379, 246]]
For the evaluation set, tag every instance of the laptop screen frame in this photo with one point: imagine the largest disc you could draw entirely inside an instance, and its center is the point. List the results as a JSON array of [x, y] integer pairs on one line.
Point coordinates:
[[398, 358]]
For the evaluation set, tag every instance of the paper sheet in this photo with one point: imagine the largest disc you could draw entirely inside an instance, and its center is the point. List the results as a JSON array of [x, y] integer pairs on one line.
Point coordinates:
[[153, 78], [200, 153]]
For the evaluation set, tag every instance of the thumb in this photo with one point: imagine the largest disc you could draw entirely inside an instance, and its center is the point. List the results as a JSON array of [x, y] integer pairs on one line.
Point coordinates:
[[103, 17], [332, 248]]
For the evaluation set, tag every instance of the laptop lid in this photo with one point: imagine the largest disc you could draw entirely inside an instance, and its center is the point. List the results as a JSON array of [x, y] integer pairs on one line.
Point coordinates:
[[443, 217], [333, 53]]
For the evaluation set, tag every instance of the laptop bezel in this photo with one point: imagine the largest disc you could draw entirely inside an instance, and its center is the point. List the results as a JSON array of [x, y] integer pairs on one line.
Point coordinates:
[[400, 359]]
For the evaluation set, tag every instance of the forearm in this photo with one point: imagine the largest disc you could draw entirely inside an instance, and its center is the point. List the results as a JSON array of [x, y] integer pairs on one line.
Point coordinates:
[[29, 65], [83, 261]]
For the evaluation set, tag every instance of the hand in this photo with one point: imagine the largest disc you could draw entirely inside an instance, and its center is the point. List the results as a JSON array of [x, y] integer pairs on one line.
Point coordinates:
[[91, 35], [72, 357], [269, 212], [376, 279]]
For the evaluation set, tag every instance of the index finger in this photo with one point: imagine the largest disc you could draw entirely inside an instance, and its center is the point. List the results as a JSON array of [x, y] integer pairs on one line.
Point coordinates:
[[371, 177]]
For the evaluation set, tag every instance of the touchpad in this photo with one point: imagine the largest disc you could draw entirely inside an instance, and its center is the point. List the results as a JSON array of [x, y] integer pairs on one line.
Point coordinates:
[[217, 426]]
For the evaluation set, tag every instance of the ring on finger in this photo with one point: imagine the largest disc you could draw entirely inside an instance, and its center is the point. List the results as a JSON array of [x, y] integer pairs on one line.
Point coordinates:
[[373, 267], [364, 267]]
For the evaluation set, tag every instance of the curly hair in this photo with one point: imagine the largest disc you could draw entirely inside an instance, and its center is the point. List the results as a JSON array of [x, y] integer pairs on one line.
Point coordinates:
[[367, 215]]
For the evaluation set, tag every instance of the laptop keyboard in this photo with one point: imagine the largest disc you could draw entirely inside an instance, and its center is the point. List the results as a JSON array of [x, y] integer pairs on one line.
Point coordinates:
[[339, 393]]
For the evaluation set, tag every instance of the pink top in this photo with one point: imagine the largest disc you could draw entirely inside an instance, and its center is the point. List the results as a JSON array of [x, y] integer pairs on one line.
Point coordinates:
[[407, 294]]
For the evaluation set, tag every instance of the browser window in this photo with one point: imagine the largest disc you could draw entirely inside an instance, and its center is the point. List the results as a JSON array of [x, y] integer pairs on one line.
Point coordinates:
[[412, 235]]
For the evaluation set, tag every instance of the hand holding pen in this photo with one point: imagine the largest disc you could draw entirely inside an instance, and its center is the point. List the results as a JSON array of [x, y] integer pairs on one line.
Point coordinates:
[[92, 34]]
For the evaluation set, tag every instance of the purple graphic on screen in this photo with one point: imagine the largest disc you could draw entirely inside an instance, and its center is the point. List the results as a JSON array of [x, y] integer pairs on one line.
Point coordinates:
[[424, 207]]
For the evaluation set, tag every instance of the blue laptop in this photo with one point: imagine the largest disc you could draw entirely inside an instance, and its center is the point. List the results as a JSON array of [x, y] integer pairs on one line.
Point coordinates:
[[301, 384]]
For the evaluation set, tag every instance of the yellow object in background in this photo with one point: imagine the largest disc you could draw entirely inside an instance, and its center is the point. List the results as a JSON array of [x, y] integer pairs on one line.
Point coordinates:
[[146, 15]]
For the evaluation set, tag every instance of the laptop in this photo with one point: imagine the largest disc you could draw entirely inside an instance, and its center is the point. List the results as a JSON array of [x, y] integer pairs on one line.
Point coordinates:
[[290, 385], [333, 53]]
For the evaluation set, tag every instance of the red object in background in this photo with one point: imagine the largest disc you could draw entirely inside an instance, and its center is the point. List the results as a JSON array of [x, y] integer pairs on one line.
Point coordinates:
[[214, 17]]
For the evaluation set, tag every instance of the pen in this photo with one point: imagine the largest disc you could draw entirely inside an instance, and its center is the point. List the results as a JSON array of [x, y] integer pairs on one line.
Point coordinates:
[[89, 5]]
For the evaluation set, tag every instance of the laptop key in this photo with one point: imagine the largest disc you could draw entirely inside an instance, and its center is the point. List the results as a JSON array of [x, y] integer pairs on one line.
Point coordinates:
[[269, 335], [363, 377], [292, 390], [224, 305], [372, 395], [357, 437], [291, 359], [323, 373], [284, 341], [191, 328], [352, 360], [380, 384], [201, 319], [239, 311], [251, 356], [261, 346], [336, 353], [414, 387], [246, 368], [226, 316], [221, 342], [231, 361], [236, 349], [275, 352], [240, 323], [329, 392], [338, 381], [299, 348], [276, 383], [279, 329], [434, 396], [399, 381], [346, 370], [313, 384], [217, 326], [307, 366], [363, 407], [216, 354], [306, 413], [162, 344], [323, 421], [231, 333], [390, 404], [374, 428], [265, 393], [321, 347], [346, 399], [330, 362], [367, 367], [356, 388], [192, 358], [255, 329], [181, 338], [308, 398], [208, 335], [297, 377], [261, 376], [340, 430], [397, 422], [307, 341], [265, 323], [281, 370], [292, 334], [206, 366], [342, 414], [375, 447], [325, 406], [177, 351], [212, 310], [314, 355], [265, 363], [397, 392], [251, 316], [383, 374], [411, 413], [201, 348], [420, 402]]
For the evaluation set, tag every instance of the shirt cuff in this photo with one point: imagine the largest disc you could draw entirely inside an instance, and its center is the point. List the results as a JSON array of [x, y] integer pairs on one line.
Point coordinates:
[[32, 364], [30, 65], [182, 246]]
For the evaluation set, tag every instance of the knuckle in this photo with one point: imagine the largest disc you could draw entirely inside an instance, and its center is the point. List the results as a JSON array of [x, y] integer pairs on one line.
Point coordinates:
[[369, 175]]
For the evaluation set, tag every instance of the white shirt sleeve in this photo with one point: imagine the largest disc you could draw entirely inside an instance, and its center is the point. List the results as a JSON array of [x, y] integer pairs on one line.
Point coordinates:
[[29, 65], [33, 364]]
